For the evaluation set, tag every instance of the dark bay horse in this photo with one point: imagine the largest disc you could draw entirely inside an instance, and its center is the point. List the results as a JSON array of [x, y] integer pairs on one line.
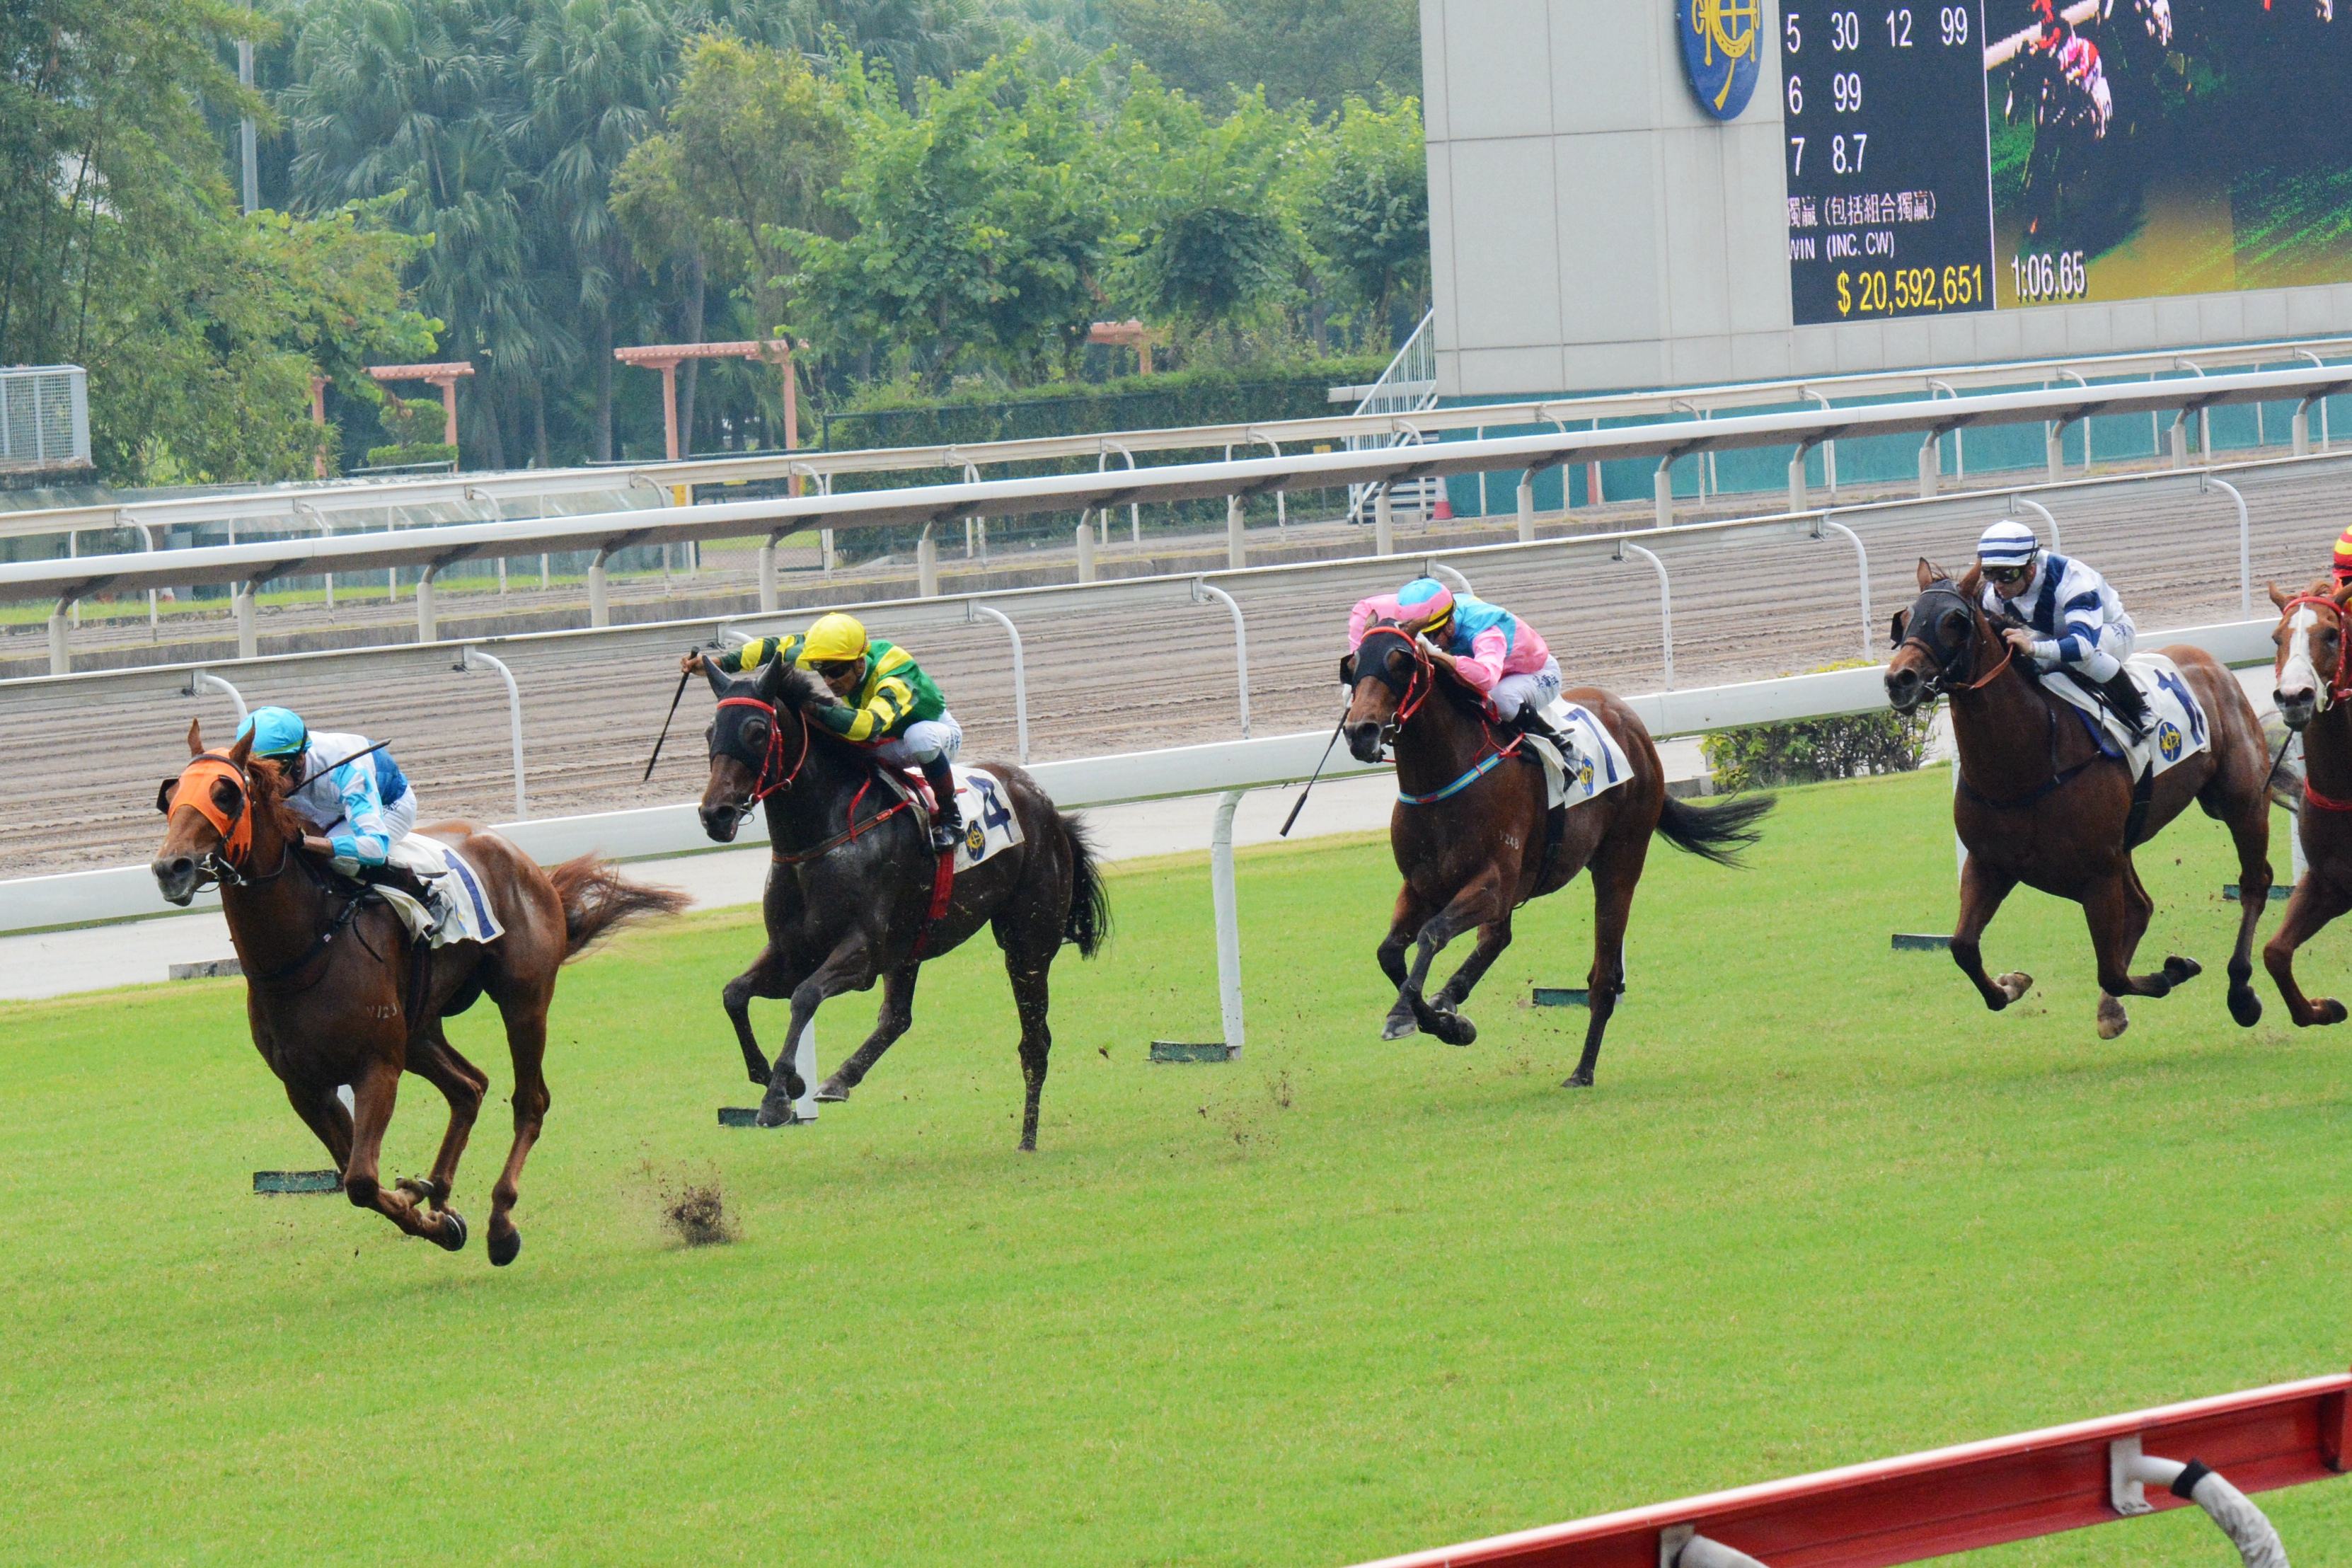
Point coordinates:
[[849, 891], [2039, 803], [333, 994], [1474, 846], [2312, 686]]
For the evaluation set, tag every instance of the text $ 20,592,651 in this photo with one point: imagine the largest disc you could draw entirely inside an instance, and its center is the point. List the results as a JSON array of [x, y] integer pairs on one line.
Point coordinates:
[[1910, 288]]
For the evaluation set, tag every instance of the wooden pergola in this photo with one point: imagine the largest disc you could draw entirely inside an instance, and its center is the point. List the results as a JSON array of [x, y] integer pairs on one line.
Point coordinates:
[[666, 357], [1128, 334], [444, 376]]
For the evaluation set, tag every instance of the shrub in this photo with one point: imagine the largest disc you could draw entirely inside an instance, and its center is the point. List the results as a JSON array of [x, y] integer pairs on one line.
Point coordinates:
[[1806, 750], [404, 453]]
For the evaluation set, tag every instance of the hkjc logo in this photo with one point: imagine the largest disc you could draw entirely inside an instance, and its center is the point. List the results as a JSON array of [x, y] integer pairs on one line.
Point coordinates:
[[975, 839], [1720, 51], [2168, 740]]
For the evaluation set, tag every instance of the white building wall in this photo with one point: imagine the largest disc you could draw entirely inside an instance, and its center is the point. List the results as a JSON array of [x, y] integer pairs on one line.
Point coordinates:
[[1591, 229]]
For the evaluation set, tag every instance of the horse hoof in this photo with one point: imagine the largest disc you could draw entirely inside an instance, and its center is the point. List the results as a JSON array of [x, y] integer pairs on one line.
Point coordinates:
[[2015, 984], [2245, 1007], [424, 1191], [1457, 1030], [1578, 1080], [831, 1092], [2329, 1009], [2113, 1021], [2178, 970], [1398, 1026], [779, 1115], [505, 1248], [453, 1231]]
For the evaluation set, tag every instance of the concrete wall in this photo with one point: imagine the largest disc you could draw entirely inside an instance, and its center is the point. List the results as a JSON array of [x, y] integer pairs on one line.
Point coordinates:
[[1592, 230]]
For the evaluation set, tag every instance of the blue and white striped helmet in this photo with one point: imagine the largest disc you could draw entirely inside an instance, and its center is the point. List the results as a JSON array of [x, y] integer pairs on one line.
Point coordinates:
[[2008, 542]]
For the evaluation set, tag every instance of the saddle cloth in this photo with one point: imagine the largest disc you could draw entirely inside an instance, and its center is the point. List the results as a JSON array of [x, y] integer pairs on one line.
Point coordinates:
[[1598, 766], [990, 826], [2176, 728], [466, 914]]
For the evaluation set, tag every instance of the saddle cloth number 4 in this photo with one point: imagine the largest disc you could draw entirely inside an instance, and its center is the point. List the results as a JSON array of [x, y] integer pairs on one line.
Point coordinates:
[[990, 826]]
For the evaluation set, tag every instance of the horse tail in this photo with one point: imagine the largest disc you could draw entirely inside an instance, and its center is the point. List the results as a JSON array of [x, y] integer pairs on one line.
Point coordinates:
[[1717, 833], [597, 898], [1089, 923]]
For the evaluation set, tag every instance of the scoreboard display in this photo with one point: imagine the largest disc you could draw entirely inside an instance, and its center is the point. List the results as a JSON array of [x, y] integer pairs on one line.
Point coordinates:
[[1888, 158]]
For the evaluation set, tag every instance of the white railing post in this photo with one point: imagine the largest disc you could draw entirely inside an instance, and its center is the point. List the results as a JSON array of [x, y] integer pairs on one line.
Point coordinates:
[[1383, 520], [1236, 551], [768, 595], [1666, 606], [428, 625], [61, 634], [927, 565], [2043, 513], [249, 639], [1084, 538], [1662, 492], [202, 680], [1020, 674], [1861, 566], [1203, 591], [600, 612], [1229, 933], [2245, 548], [1931, 464], [1528, 507], [467, 659]]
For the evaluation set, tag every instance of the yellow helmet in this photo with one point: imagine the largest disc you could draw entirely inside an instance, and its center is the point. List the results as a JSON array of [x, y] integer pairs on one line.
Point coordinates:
[[836, 638]]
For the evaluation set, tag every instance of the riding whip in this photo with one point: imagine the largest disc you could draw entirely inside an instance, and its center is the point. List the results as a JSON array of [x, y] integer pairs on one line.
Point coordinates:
[[1301, 804], [683, 677]]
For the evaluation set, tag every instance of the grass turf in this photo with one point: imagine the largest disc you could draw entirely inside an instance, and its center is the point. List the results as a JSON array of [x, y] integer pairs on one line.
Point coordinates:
[[1338, 1300]]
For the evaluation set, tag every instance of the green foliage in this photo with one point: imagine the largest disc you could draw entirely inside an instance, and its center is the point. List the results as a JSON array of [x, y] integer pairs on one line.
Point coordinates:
[[1366, 210], [1310, 51], [406, 454], [1808, 751]]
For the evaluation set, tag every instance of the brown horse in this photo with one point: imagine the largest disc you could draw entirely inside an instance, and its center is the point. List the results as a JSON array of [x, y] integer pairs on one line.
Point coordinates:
[[2312, 686], [336, 995], [2041, 803], [850, 888], [1471, 835]]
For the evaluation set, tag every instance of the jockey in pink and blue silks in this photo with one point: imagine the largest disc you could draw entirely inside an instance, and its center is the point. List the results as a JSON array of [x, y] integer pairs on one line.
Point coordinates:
[[1490, 648]]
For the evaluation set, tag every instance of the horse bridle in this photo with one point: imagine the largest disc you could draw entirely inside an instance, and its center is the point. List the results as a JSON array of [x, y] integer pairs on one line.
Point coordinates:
[[1947, 679], [2336, 686], [225, 862], [773, 777], [1412, 691]]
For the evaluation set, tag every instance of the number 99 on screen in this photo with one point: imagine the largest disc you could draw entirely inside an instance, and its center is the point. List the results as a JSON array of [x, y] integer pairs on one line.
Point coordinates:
[[1910, 288]]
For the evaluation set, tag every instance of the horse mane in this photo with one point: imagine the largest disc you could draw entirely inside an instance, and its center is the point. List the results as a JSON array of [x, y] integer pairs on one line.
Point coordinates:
[[798, 688], [267, 796]]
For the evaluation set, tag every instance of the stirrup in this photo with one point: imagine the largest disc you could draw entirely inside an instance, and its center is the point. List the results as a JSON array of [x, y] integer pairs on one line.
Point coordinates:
[[944, 838]]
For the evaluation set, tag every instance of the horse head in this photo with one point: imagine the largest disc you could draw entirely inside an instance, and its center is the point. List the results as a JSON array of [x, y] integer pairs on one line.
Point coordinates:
[[1940, 642], [2307, 673], [1387, 678], [759, 740], [209, 812]]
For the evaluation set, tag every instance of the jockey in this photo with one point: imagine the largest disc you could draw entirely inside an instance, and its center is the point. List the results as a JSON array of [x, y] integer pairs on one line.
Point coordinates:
[[2342, 564], [890, 708], [2060, 615], [362, 805], [1496, 652]]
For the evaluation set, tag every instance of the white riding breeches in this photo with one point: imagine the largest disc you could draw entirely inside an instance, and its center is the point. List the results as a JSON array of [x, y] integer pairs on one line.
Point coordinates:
[[2107, 654], [1514, 692], [399, 819], [924, 740]]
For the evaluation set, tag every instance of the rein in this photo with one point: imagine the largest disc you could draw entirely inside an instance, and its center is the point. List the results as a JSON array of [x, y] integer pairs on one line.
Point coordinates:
[[854, 831], [773, 778], [1947, 683], [225, 862]]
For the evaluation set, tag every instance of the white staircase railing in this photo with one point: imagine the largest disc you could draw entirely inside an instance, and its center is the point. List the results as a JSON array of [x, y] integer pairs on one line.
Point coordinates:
[[1407, 386]]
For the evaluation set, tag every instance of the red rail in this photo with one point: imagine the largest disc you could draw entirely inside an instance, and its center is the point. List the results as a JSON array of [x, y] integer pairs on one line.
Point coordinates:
[[1955, 1499]]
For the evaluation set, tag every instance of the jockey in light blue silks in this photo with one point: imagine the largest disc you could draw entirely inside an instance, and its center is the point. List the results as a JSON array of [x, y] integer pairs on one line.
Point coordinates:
[[361, 806], [2072, 620]]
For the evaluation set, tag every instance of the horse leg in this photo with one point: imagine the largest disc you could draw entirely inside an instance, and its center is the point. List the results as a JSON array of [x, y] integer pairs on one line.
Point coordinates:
[[768, 977], [1493, 938], [1028, 972], [373, 1096], [526, 1021], [1412, 913], [1982, 890], [322, 1110], [1483, 901], [2313, 904], [896, 1017], [849, 966], [432, 1057], [1616, 871], [2251, 834], [2117, 911]]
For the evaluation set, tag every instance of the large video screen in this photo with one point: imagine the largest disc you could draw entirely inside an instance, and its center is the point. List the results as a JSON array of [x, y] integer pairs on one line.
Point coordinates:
[[1954, 155]]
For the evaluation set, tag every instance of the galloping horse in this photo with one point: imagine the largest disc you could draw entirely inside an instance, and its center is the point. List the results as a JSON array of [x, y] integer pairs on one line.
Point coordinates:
[[2040, 802], [335, 994], [1470, 834], [2314, 692], [850, 891]]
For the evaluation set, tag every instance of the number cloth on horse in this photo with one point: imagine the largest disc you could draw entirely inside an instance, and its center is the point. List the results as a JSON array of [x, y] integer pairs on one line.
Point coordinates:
[[1594, 763], [468, 916], [2176, 730]]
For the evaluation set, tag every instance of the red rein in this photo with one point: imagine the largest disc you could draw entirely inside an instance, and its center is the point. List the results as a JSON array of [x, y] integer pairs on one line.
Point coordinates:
[[772, 774], [2337, 690]]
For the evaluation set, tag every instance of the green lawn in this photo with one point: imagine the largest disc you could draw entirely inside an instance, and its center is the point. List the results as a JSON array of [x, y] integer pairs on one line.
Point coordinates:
[[1338, 1300]]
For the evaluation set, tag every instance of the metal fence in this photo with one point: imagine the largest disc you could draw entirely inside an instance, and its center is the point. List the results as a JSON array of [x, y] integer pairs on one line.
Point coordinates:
[[44, 418]]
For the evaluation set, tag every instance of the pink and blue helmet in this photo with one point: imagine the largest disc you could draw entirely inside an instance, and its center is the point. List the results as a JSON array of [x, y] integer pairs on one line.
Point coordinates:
[[1429, 600]]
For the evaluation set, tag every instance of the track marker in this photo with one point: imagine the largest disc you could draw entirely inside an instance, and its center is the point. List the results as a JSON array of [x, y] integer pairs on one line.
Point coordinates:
[[2279, 894], [1918, 942], [1190, 1051], [1563, 996], [274, 1183], [749, 1116]]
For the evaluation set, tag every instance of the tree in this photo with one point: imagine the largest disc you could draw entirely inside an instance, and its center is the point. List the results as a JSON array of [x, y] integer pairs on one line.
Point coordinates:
[[1364, 201], [1315, 51]]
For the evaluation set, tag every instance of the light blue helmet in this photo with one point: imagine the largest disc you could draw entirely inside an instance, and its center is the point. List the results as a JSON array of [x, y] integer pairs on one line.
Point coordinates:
[[2008, 542], [276, 733]]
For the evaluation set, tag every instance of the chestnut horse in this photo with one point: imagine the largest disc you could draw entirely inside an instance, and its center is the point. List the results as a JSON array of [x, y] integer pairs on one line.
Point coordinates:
[[2312, 686], [334, 993], [850, 886], [1470, 831], [2040, 803]]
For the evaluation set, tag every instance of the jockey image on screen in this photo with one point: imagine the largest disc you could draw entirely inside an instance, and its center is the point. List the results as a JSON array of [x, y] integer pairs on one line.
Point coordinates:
[[1495, 651], [890, 708], [2061, 615]]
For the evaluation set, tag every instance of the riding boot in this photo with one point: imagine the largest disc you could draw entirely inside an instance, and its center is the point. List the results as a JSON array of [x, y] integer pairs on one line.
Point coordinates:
[[426, 891], [947, 822], [1532, 722], [2124, 699]]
